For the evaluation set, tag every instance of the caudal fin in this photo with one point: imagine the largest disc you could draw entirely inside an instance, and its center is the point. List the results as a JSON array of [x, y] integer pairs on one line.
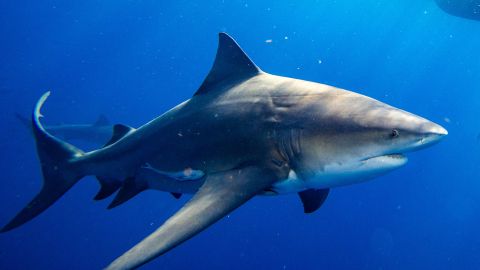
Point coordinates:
[[59, 172]]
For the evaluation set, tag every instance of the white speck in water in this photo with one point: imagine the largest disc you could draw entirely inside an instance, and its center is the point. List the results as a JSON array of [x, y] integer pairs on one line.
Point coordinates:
[[268, 41], [446, 119], [285, 37], [319, 61], [425, 12]]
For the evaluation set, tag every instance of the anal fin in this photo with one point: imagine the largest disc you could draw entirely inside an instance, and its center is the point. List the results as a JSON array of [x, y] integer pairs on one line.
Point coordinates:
[[129, 189], [107, 187]]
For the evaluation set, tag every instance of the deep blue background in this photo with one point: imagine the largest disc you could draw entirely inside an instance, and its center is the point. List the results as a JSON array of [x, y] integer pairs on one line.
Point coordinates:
[[132, 60]]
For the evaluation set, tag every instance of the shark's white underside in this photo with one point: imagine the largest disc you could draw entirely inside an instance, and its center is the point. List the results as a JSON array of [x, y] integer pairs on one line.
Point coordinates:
[[333, 175]]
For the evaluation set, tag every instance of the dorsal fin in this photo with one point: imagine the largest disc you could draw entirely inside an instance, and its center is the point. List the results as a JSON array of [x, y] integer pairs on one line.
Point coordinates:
[[119, 131], [231, 65], [102, 120]]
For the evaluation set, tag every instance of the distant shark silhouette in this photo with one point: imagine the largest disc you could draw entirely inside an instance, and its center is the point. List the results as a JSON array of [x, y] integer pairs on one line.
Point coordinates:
[[468, 9], [98, 133], [244, 133]]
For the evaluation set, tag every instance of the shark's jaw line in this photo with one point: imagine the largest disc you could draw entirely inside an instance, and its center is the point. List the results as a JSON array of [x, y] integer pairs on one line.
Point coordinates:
[[394, 156], [335, 175]]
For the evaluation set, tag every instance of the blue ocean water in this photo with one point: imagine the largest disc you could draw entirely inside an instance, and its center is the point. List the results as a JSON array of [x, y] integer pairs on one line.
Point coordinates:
[[133, 60]]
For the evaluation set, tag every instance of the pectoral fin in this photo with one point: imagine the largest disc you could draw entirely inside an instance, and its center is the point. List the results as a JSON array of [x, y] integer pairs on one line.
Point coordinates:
[[220, 194], [312, 199]]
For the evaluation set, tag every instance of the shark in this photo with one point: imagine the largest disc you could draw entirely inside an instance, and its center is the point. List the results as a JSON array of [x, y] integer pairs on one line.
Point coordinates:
[[244, 133], [467, 9], [97, 133]]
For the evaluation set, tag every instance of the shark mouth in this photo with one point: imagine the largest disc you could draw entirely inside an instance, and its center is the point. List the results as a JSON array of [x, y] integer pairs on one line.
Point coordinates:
[[396, 156], [395, 159]]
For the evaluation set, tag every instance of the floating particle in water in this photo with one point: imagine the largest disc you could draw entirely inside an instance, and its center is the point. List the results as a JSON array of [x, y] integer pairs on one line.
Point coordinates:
[[268, 41], [381, 242], [446, 119], [285, 37], [319, 61]]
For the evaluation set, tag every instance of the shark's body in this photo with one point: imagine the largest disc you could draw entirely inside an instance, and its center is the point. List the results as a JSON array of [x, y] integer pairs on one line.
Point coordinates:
[[97, 133], [244, 133], [468, 9]]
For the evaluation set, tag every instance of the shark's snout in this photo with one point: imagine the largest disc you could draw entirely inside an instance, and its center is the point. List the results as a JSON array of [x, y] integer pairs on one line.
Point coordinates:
[[434, 129], [431, 133]]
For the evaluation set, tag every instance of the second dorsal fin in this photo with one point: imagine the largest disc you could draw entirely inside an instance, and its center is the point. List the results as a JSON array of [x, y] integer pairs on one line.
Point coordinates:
[[102, 120], [231, 64], [119, 131]]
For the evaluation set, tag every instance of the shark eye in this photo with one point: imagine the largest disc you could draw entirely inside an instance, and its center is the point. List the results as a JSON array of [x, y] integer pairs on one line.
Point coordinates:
[[394, 133]]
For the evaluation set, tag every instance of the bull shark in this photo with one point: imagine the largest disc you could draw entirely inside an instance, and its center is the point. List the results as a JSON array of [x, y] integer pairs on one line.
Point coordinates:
[[98, 133], [244, 133], [468, 9]]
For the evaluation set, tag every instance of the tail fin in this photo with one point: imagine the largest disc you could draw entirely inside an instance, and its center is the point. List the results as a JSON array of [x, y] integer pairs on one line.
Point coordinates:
[[59, 173]]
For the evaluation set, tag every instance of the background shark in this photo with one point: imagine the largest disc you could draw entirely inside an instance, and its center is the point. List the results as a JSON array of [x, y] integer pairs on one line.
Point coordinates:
[[98, 133], [244, 133], [468, 9]]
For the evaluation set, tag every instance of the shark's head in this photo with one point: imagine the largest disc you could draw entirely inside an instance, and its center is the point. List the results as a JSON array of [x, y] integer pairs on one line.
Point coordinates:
[[350, 138]]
